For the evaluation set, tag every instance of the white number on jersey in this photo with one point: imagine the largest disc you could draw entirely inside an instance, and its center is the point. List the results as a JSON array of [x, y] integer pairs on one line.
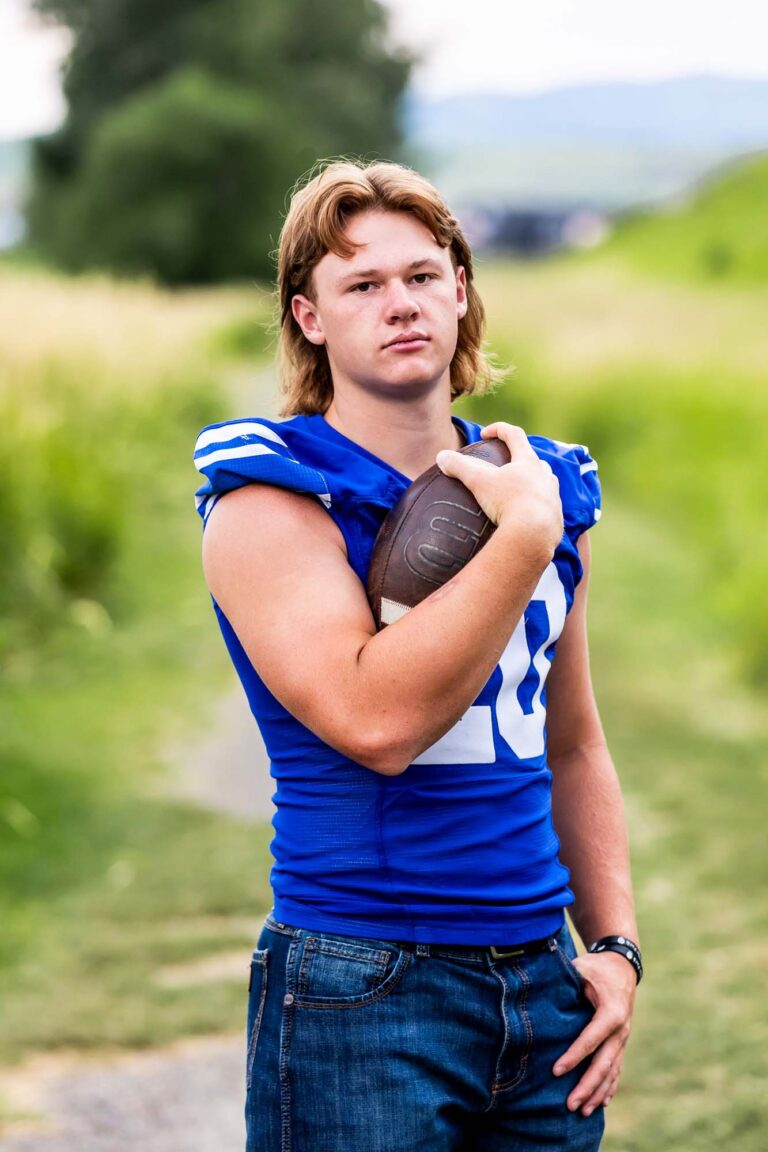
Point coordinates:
[[520, 713]]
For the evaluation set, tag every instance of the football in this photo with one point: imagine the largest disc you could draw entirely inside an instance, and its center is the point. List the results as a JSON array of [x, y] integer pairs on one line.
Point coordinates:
[[430, 534]]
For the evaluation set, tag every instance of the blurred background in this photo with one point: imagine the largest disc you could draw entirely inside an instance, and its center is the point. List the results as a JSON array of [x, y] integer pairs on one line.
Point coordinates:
[[610, 165]]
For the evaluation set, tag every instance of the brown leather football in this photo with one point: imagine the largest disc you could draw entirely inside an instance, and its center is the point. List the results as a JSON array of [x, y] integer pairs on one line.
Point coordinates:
[[430, 534]]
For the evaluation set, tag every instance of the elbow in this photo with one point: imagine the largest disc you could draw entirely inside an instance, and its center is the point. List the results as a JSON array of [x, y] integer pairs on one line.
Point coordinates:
[[383, 752]]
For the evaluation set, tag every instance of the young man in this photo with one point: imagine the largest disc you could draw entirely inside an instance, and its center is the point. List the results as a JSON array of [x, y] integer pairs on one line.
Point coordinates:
[[416, 986]]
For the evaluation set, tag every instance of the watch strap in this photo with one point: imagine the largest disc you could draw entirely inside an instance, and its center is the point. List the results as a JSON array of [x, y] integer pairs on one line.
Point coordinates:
[[624, 947]]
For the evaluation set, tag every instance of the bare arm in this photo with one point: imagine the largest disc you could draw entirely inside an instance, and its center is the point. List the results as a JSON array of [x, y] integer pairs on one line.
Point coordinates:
[[275, 563], [588, 814], [587, 806]]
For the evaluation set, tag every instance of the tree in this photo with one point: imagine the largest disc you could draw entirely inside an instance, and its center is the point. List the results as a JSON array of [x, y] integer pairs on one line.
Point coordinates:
[[188, 121]]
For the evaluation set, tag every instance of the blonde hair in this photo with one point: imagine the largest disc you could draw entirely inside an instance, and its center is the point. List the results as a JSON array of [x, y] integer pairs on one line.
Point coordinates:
[[319, 211]]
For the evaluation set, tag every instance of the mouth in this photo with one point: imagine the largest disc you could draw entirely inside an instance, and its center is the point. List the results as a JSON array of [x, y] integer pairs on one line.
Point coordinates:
[[408, 342]]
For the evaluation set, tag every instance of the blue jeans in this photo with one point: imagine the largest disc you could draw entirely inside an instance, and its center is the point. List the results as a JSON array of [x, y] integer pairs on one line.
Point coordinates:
[[360, 1045]]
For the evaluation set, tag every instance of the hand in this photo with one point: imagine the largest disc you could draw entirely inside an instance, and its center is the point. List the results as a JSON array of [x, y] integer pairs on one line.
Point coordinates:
[[610, 985], [524, 493]]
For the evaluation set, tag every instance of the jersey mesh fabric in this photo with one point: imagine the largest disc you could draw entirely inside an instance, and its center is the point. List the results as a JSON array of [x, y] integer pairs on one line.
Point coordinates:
[[460, 848]]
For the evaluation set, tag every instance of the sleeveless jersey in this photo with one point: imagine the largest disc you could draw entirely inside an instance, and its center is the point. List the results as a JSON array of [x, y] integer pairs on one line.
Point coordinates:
[[459, 848]]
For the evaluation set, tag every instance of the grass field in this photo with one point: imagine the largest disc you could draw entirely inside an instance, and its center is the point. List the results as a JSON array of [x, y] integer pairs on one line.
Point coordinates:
[[104, 884]]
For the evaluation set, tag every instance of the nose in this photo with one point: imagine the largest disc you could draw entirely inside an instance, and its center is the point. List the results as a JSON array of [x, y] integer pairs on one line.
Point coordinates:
[[401, 303]]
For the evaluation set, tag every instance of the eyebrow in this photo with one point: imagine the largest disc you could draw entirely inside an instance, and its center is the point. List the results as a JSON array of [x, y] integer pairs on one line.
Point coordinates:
[[366, 273]]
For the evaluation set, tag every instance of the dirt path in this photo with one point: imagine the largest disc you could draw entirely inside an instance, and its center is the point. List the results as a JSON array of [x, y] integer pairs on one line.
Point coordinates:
[[227, 770], [187, 1098]]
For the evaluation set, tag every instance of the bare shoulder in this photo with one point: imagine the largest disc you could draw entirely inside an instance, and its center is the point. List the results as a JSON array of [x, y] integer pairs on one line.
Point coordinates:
[[261, 520], [274, 509]]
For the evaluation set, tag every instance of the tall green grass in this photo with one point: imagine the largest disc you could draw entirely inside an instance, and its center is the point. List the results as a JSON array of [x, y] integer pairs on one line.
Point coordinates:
[[108, 647], [89, 483]]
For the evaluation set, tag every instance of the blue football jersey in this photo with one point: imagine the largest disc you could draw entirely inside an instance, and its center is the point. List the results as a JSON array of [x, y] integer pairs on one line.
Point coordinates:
[[459, 848]]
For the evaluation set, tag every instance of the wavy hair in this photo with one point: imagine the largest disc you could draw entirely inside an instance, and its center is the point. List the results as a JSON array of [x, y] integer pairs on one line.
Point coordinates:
[[320, 208]]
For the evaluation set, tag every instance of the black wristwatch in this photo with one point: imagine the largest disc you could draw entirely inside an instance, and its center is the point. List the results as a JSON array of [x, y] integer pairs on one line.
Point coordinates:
[[625, 947]]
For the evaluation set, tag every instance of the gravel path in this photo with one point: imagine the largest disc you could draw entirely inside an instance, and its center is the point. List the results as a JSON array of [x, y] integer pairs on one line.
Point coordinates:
[[228, 770], [188, 1098]]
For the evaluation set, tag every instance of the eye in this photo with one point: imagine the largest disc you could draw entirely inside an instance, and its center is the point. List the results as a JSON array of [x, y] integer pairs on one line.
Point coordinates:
[[424, 277], [362, 287]]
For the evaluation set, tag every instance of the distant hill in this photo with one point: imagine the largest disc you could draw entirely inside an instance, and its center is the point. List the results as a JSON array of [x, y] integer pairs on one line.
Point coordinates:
[[692, 112], [720, 232], [606, 145]]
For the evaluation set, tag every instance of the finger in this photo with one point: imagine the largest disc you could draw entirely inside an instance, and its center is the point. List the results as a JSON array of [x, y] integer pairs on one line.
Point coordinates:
[[609, 1097], [601, 1069], [513, 436], [593, 1099], [603, 1095], [600, 1027]]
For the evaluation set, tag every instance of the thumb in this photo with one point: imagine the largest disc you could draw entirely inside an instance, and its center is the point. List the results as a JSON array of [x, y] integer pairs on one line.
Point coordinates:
[[461, 467]]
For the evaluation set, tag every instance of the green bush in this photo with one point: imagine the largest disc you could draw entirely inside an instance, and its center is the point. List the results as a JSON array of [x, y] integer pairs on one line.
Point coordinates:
[[182, 180], [85, 461]]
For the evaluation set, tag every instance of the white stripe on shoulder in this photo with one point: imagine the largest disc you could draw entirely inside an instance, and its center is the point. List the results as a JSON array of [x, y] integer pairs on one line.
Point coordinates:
[[570, 447], [227, 432], [241, 451], [598, 513], [209, 505], [590, 466]]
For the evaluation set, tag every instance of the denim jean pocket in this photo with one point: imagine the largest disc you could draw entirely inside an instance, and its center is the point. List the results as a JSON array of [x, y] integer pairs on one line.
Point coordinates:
[[257, 994], [570, 968], [336, 973]]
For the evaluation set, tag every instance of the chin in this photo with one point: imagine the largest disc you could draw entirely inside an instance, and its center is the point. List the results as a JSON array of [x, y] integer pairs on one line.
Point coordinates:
[[417, 372], [414, 387]]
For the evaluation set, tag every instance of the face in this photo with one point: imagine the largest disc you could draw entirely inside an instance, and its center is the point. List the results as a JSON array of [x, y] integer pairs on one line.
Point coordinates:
[[388, 316]]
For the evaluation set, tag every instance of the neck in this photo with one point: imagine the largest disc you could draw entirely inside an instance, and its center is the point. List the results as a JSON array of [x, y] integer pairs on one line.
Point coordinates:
[[406, 432]]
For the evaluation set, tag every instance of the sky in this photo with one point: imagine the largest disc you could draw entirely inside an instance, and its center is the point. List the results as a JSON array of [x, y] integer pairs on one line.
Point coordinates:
[[468, 46], [532, 45], [30, 54]]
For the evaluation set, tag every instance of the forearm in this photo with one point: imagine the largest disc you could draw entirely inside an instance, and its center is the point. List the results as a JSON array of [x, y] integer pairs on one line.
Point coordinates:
[[418, 676], [588, 813]]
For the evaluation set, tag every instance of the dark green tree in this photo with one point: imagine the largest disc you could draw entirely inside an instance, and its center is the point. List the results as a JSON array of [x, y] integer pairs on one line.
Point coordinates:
[[188, 121]]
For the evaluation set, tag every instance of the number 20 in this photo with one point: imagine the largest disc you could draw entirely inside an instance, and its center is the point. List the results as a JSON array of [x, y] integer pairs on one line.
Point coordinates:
[[520, 713]]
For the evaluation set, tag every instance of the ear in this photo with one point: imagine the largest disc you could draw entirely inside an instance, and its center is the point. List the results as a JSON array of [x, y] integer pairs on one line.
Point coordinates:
[[305, 315], [461, 291]]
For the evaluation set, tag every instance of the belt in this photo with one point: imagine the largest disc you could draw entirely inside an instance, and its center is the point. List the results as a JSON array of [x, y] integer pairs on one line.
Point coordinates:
[[495, 951]]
